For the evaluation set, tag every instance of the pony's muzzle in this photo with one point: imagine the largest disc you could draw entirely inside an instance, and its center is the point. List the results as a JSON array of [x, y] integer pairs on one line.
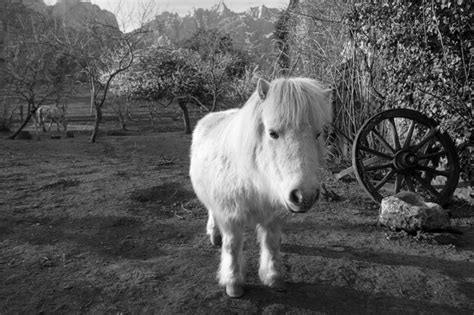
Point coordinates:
[[299, 201]]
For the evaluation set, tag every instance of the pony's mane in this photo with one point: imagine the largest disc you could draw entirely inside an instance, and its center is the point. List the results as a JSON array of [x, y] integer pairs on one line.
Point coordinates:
[[293, 102], [298, 102]]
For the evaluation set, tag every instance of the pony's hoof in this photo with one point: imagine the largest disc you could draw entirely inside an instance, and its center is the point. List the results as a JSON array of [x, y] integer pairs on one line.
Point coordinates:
[[278, 285], [216, 240], [234, 290]]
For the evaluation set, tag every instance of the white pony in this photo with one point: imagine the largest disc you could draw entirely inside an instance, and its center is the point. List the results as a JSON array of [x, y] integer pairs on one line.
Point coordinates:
[[248, 165], [53, 113]]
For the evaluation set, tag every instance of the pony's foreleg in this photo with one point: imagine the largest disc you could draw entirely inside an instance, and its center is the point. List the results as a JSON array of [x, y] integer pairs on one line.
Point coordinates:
[[231, 269], [270, 271], [213, 231], [50, 124]]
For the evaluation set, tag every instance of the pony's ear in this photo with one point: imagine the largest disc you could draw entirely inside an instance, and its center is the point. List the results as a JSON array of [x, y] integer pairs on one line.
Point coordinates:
[[262, 87]]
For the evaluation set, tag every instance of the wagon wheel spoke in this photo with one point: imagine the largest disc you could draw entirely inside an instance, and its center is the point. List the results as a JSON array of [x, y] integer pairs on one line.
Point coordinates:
[[431, 155], [382, 141], [378, 167], [430, 135], [375, 152], [426, 185], [385, 179], [372, 160], [396, 138], [409, 134], [433, 171], [398, 183]]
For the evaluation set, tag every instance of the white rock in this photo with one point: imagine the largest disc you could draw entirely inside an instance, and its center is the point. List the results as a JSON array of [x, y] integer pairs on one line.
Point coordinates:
[[408, 211]]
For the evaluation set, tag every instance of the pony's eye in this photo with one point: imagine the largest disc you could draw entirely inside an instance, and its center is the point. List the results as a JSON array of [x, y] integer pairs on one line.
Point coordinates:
[[317, 135], [274, 134]]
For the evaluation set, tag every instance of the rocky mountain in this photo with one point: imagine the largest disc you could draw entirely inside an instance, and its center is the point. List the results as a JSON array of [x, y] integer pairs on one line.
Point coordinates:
[[73, 13], [77, 13], [251, 31]]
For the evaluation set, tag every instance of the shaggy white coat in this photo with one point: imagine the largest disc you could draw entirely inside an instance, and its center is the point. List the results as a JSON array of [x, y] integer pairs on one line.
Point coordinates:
[[248, 164], [51, 113]]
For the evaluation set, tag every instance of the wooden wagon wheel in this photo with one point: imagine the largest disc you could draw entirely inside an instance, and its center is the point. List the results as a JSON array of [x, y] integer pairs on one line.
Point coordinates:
[[402, 149]]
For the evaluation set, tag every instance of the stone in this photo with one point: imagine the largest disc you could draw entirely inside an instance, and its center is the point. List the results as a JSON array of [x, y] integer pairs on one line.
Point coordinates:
[[408, 211]]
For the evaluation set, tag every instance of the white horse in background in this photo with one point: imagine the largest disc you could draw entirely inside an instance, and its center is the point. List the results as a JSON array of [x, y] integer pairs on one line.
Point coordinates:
[[249, 165], [51, 113]]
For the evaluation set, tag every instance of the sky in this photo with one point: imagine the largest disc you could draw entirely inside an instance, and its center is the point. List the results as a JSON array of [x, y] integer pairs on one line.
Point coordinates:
[[124, 9]]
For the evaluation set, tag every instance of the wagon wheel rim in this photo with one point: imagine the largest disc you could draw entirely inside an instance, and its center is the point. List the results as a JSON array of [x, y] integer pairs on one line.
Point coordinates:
[[403, 150]]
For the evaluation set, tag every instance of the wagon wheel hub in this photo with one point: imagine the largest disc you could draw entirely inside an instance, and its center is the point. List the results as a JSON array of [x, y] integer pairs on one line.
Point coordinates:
[[405, 159]]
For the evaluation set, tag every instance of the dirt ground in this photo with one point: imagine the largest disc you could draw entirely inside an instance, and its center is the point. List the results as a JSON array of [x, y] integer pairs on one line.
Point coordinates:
[[114, 227]]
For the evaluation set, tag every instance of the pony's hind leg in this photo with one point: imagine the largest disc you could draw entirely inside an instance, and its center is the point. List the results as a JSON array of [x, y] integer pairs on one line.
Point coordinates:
[[270, 271], [213, 231], [231, 268]]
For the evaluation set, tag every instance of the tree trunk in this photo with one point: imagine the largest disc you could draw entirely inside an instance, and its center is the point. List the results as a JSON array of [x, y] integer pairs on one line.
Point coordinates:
[[123, 125], [214, 101], [92, 90], [98, 118], [187, 122], [121, 115], [25, 122], [150, 115]]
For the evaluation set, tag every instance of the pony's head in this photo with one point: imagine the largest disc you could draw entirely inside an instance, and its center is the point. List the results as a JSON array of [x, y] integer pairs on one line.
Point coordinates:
[[288, 120]]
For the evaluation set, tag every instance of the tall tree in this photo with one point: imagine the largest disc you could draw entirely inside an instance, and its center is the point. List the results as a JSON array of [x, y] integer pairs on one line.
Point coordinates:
[[165, 73], [221, 61]]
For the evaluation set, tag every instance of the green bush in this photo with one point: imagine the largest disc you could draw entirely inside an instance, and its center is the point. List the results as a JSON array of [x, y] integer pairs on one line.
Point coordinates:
[[423, 51]]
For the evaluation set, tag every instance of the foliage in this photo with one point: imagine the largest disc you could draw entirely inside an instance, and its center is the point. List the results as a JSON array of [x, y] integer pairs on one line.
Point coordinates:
[[423, 50], [380, 55], [281, 35], [242, 87], [312, 40], [163, 73], [209, 42], [221, 62], [204, 72]]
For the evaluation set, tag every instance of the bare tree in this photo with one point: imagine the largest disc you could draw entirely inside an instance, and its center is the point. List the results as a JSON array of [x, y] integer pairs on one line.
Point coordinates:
[[102, 51], [32, 70]]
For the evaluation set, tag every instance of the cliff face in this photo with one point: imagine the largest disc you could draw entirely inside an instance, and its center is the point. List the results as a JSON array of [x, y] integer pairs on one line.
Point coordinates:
[[73, 13], [251, 31], [77, 14], [35, 5]]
